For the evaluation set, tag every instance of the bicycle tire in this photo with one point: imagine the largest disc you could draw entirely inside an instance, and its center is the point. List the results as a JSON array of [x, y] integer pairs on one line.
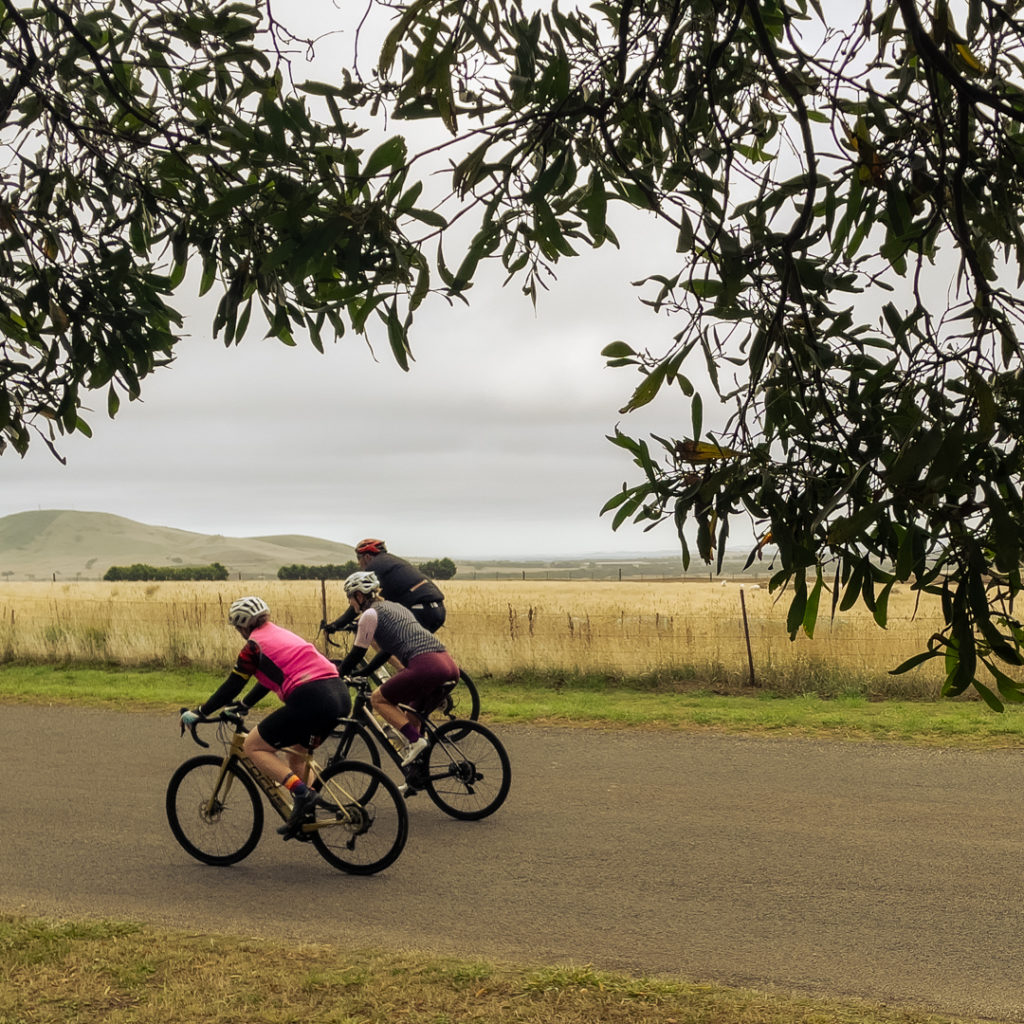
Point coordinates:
[[232, 831], [361, 822], [354, 744], [464, 701], [466, 770]]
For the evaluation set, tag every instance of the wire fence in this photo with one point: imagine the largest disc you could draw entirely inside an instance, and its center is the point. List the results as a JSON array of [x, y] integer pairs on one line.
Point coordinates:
[[687, 630]]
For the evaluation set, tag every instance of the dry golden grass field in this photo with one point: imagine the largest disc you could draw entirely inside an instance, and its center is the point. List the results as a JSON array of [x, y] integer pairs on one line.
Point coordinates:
[[689, 630]]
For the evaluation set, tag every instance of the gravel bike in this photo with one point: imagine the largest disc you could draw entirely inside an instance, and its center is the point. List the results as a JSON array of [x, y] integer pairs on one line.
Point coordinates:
[[465, 769], [359, 822]]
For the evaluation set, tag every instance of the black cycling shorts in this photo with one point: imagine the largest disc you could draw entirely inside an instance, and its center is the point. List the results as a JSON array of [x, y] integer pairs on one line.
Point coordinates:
[[308, 715], [431, 617]]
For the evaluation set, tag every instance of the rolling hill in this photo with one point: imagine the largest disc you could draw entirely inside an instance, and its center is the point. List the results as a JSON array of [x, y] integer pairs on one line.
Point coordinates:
[[68, 545], [83, 545]]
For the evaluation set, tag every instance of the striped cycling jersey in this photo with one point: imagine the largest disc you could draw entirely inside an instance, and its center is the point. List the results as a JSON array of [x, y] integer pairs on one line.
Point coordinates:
[[394, 629]]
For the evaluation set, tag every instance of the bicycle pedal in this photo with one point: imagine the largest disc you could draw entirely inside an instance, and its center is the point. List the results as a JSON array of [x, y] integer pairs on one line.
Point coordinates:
[[297, 833]]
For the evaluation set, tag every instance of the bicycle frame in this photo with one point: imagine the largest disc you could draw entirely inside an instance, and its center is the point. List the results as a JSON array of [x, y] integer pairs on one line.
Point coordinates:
[[362, 714], [273, 790]]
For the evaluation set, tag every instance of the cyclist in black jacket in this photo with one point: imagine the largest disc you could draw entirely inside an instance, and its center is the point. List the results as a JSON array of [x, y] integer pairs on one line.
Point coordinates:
[[401, 582]]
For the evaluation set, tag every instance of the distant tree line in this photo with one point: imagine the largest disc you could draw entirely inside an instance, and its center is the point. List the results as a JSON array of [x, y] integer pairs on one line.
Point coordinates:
[[317, 572], [439, 569], [138, 571]]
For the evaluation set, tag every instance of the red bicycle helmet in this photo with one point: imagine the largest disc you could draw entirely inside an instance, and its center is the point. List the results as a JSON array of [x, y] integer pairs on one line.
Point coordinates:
[[370, 546]]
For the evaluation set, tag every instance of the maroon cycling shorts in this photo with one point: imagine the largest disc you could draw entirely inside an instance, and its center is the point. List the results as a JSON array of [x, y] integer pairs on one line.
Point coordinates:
[[420, 678]]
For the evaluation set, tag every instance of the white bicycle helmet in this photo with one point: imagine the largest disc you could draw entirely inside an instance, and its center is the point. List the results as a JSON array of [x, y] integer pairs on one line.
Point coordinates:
[[362, 583], [246, 612]]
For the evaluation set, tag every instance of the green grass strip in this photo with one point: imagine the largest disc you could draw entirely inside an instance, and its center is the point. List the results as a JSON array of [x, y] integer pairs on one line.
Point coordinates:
[[585, 702]]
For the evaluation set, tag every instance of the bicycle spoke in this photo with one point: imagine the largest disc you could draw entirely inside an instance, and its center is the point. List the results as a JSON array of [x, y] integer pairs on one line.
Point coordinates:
[[467, 773], [214, 821], [360, 822]]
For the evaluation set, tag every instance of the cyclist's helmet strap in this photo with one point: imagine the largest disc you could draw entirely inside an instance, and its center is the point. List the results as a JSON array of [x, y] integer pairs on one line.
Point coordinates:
[[371, 546]]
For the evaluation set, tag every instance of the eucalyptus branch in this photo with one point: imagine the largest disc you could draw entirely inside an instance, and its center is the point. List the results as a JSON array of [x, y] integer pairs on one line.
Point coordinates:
[[654, 201], [115, 90], [963, 230], [785, 81], [26, 71], [929, 52]]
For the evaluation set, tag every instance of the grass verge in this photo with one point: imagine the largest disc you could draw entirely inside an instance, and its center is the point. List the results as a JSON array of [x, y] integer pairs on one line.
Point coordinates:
[[588, 701], [117, 973]]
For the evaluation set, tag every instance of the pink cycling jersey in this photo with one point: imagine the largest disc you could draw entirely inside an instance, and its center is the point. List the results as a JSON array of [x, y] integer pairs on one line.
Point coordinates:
[[281, 660]]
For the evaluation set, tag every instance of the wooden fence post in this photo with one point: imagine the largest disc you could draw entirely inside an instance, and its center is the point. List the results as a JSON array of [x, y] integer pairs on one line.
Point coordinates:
[[746, 633], [323, 608]]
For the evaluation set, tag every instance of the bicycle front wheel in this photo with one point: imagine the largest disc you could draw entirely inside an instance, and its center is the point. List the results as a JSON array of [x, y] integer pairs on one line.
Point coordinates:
[[354, 743], [467, 772], [361, 823], [215, 814]]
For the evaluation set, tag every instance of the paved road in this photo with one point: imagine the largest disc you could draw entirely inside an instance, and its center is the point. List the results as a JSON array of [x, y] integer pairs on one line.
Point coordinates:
[[844, 869]]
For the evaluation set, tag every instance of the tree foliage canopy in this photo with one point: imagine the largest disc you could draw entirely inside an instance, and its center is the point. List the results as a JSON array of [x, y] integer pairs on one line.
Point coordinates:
[[841, 187], [317, 572], [141, 571], [439, 569], [140, 138], [844, 188]]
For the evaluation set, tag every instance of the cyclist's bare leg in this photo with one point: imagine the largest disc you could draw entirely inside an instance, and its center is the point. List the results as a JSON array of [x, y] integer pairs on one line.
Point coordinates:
[[391, 714], [266, 758]]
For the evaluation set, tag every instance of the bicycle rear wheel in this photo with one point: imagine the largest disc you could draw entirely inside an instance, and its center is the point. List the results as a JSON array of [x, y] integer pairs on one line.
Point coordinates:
[[216, 819], [463, 701], [467, 771], [361, 823]]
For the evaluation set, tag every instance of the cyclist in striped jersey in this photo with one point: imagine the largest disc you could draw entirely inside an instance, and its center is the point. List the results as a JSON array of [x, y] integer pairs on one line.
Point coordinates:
[[394, 630]]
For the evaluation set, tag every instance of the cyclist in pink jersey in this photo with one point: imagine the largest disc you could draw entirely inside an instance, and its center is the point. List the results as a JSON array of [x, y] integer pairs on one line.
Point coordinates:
[[314, 699]]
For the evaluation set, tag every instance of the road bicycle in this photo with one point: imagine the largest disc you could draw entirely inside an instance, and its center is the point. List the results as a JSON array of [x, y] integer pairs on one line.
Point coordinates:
[[464, 769], [359, 822], [462, 702]]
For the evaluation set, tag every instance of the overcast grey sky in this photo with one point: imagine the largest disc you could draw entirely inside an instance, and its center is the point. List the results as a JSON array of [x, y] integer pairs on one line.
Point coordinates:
[[493, 445]]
